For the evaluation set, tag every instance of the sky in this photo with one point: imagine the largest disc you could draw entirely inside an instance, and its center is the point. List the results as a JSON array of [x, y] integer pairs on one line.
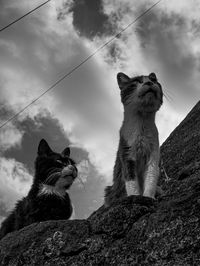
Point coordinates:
[[84, 111]]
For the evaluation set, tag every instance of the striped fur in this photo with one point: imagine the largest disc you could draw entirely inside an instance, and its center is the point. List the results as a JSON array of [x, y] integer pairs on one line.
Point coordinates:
[[137, 163]]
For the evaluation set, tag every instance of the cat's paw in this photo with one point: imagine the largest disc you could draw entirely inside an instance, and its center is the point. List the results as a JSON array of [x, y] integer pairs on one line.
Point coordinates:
[[159, 192]]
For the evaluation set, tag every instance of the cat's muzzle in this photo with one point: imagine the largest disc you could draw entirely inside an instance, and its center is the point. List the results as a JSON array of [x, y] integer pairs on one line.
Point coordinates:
[[69, 170], [148, 89]]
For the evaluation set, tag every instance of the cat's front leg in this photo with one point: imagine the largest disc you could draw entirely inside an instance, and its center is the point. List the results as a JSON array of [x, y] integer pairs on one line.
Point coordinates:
[[151, 178], [132, 187]]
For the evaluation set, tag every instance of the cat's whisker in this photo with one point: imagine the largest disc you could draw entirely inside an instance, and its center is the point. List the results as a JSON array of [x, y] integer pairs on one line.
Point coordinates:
[[168, 97], [81, 181], [53, 177], [170, 93]]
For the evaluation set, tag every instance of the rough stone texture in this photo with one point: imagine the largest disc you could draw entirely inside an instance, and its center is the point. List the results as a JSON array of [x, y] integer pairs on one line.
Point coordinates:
[[134, 230]]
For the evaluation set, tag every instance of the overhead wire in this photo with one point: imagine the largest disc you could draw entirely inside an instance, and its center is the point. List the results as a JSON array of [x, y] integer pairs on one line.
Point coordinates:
[[18, 19], [79, 65]]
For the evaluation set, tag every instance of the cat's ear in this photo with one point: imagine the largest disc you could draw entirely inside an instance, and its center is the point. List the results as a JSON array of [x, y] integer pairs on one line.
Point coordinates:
[[122, 79], [152, 76], [66, 152], [43, 148]]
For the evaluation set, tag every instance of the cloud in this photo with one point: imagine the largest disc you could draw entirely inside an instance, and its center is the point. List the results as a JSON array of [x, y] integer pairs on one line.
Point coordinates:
[[166, 120], [14, 184], [10, 136], [84, 103], [83, 170], [87, 103], [14, 175], [38, 58], [89, 113], [89, 18], [42, 126], [90, 197]]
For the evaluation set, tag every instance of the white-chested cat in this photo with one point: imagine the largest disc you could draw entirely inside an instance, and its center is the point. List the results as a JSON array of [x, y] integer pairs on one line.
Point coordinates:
[[48, 198], [136, 169]]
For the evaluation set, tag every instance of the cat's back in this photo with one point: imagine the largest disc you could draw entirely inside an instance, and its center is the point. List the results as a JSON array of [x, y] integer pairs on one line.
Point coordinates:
[[16, 218]]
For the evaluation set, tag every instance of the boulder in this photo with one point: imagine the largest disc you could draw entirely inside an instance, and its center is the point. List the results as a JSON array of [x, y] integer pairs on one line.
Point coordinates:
[[133, 231]]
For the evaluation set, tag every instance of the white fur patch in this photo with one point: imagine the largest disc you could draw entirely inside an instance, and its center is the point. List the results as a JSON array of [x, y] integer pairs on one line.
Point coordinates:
[[151, 179], [73, 215], [49, 190], [132, 188]]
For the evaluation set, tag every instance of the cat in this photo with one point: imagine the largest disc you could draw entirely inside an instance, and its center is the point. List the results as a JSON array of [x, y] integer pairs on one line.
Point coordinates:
[[136, 169], [47, 198]]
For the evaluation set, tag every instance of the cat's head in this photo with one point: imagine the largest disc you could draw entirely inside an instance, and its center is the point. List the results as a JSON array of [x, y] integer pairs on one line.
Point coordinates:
[[54, 169], [142, 93]]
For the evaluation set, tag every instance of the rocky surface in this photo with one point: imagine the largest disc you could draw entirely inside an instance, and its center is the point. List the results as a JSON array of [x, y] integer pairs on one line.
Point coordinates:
[[134, 230]]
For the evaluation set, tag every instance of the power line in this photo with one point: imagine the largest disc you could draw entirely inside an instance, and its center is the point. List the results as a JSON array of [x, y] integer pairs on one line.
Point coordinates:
[[79, 65], [31, 11]]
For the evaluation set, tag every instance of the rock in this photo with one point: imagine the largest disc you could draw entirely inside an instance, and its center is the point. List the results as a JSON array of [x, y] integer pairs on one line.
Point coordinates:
[[134, 230]]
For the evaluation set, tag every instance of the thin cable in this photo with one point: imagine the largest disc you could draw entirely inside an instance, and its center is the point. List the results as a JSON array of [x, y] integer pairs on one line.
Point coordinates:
[[79, 65], [31, 11]]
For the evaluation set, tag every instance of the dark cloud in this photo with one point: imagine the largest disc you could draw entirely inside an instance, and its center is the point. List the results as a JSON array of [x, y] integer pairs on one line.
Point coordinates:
[[89, 19], [114, 52], [167, 51], [86, 199], [45, 127], [5, 112], [195, 28]]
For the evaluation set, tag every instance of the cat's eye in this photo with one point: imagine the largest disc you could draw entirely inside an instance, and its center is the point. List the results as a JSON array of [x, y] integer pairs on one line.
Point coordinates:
[[59, 161], [132, 86], [138, 80]]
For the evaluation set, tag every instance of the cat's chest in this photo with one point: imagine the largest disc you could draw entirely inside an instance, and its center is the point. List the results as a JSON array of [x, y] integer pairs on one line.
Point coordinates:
[[129, 134], [51, 191], [135, 132]]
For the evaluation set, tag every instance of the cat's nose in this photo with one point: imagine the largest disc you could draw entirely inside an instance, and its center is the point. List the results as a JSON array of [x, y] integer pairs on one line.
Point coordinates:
[[67, 170], [70, 167], [70, 170]]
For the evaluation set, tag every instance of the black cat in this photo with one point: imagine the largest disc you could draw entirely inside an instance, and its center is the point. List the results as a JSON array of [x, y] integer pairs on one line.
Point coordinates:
[[47, 198]]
